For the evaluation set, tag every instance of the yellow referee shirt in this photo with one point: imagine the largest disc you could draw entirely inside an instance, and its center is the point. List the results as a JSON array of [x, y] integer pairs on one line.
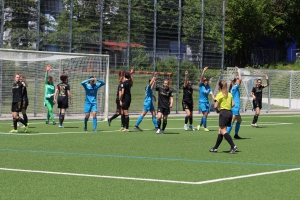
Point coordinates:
[[225, 103]]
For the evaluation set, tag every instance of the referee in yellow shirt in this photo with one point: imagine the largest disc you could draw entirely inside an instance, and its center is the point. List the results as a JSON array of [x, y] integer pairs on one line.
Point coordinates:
[[223, 105]]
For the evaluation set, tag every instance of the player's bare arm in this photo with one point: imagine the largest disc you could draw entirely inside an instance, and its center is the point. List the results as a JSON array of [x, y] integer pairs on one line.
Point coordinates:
[[185, 78], [267, 79], [202, 75], [239, 75]]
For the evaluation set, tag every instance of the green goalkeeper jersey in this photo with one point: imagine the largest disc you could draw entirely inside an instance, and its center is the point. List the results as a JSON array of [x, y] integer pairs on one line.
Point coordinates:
[[49, 91]]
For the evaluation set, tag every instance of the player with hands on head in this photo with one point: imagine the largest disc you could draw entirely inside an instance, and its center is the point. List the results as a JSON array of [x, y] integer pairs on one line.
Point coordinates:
[[49, 95], [204, 106], [187, 102], [235, 92], [256, 95], [91, 87], [148, 104]]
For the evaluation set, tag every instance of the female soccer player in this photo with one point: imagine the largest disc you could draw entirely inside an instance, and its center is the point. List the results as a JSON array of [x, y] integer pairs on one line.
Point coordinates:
[[90, 103], [25, 101], [223, 105], [235, 92], [16, 105], [256, 94], [187, 102], [204, 90], [148, 105], [165, 103], [49, 96], [62, 96]]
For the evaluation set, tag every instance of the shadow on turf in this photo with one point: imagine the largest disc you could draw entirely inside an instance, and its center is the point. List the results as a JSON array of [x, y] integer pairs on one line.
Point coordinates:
[[71, 127], [229, 150]]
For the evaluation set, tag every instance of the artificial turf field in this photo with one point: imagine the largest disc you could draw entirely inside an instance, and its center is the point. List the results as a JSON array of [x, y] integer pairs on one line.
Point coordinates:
[[53, 163]]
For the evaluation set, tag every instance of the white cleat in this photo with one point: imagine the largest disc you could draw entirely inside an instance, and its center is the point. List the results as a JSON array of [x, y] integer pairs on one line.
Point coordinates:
[[191, 127], [185, 127]]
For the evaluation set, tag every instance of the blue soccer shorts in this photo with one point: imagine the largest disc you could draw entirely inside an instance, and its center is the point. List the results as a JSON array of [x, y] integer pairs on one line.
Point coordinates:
[[204, 107], [90, 107]]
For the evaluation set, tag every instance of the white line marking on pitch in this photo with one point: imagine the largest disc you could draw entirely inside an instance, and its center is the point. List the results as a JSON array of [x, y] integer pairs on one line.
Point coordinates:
[[152, 180]]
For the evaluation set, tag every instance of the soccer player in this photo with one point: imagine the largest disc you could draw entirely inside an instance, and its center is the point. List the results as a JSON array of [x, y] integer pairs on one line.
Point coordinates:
[[49, 96], [148, 105], [204, 90], [90, 103], [235, 92], [25, 102], [16, 106], [62, 96], [256, 94], [165, 103], [223, 105], [125, 99], [118, 109], [187, 102]]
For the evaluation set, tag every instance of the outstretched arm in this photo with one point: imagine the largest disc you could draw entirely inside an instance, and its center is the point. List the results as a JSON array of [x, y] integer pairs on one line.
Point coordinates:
[[267, 79], [131, 76], [46, 78], [239, 75], [185, 78], [153, 80], [202, 75]]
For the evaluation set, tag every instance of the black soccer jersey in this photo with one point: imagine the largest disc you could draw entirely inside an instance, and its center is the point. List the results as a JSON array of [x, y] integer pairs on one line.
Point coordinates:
[[257, 91], [17, 92], [126, 86], [24, 92], [63, 91], [187, 95], [164, 95], [119, 89]]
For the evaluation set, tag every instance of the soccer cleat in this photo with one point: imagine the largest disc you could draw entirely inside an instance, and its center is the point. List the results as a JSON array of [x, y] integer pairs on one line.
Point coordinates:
[[23, 126], [213, 150], [109, 121], [54, 123], [137, 128], [206, 129], [254, 125], [158, 131], [162, 132], [232, 151], [60, 126], [47, 122], [13, 131], [198, 127], [191, 127], [95, 130], [26, 129], [156, 128], [125, 130], [121, 130], [185, 127], [84, 128], [237, 136]]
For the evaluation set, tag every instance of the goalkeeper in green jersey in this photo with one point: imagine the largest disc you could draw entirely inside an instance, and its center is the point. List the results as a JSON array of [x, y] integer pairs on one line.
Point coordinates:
[[49, 96]]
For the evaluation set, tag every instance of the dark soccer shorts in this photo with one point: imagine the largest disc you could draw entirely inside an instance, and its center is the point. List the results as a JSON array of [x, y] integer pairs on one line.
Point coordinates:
[[187, 106], [164, 111], [126, 104], [63, 104], [16, 106], [225, 117], [25, 104], [257, 104]]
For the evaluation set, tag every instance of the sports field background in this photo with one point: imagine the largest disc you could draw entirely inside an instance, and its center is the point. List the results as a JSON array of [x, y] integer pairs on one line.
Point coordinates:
[[52, 163]]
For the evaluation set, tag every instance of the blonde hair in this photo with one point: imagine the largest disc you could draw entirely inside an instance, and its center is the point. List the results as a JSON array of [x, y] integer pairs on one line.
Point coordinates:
[[223, 88]]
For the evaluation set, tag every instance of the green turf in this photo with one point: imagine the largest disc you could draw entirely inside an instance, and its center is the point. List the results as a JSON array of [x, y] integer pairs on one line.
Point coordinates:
[[178, 155]]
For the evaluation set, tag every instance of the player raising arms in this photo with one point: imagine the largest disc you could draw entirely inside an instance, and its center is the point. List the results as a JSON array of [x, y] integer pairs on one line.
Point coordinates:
[[235, 92], [223, 104], [90, 103], [16, 105], [148, 105], [256, 94], [187, 102], [165, 103], [125, 99], [204, 90], [62, 96], [25, 102], [49, 96]]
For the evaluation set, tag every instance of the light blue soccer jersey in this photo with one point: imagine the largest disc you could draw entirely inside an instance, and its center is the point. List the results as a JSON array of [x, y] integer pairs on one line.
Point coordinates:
[[204, 91], [236, 95], [149, 93], [91, 90]]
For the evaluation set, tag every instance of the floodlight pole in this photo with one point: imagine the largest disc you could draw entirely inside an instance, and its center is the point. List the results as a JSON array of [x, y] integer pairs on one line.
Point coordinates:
[[1, 45]]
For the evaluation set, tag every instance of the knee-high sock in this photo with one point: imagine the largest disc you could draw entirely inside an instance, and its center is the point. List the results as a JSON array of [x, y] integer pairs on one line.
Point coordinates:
[[229, 128], [186, 119], [123, 120], [201, 122], [237, 127], [204, 122], [126, 119], [191, 120], [61, 118], [86, 119], [154, 122], [15, 123], [158, 123], [139, 120], [50, 112], [25, 118], [219, 140], [164, 125], [95, 123], [114, 116], [255, 118], [22, 121], [229, 140]]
